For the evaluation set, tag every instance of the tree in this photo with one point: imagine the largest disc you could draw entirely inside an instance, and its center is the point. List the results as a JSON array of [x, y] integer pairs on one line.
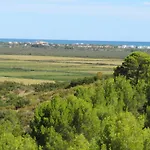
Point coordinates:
[[59, 121], [11, 135], [135, 66], [9, 122], [124, 132], [9, 142], [79, 143], [125, 94]]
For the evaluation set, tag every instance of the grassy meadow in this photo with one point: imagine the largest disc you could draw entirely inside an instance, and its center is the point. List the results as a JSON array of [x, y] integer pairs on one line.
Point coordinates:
[[38, 69], [60, 51]]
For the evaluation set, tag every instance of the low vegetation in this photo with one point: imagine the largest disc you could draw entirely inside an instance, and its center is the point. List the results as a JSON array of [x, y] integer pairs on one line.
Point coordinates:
[[38, 69], [93, 113], [59, 51]]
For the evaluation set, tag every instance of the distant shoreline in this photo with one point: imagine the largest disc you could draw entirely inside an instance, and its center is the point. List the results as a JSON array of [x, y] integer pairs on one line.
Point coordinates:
[[114, 43]]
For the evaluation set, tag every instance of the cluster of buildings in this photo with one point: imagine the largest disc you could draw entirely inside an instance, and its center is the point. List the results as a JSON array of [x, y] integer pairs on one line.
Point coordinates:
[[112, 46], [38, 43], [79, 45], [133, 47]]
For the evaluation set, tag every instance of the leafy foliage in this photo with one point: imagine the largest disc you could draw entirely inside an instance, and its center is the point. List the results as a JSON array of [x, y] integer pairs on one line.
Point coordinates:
[[104, 115], [97, 114], [135, 66]]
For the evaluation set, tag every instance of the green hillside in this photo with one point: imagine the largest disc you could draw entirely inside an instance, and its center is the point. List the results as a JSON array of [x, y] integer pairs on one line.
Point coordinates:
[[93, 113]]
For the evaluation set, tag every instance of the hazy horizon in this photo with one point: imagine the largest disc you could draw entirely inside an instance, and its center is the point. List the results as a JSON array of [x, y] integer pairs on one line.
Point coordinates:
[[69, 40]]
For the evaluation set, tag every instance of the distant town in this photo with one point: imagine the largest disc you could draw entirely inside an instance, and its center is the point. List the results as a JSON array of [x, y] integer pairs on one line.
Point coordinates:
[[39, 44]]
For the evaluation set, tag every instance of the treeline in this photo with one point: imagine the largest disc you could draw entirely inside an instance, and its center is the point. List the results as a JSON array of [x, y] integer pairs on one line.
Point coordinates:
[[65, 85], [109, 114], [106, 115]]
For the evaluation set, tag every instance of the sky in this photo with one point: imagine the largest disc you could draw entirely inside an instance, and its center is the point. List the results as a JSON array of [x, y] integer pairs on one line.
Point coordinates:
[[101, 20]]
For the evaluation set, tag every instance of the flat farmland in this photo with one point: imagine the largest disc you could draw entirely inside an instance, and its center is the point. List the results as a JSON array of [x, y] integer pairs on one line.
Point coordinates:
[[60, 51], [37, 69]]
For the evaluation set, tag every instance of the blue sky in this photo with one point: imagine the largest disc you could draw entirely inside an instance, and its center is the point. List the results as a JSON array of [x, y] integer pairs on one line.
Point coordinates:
[[123, 20]]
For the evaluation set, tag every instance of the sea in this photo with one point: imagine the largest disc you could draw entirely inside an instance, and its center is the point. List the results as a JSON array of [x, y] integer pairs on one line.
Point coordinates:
[[114, 43]]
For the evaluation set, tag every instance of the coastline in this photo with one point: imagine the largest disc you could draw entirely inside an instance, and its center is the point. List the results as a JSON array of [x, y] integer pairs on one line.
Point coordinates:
[[80, 42]]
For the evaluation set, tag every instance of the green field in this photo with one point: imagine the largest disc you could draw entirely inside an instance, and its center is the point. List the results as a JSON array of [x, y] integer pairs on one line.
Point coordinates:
[[37, 69], [59, 51]]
